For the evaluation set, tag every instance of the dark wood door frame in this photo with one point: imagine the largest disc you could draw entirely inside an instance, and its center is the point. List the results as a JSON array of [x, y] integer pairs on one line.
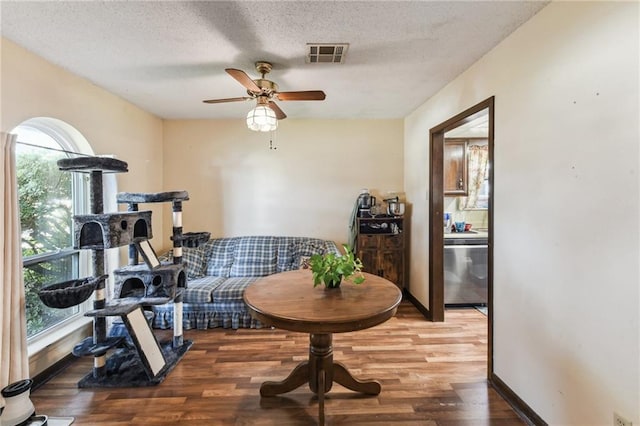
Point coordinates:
[[436, 214]]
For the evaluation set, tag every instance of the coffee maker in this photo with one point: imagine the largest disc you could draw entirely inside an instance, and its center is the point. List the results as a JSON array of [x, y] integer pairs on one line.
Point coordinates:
[[365, 202]]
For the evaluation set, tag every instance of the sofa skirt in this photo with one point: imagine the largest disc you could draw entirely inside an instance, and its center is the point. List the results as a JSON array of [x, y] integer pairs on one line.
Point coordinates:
[[202, 316]]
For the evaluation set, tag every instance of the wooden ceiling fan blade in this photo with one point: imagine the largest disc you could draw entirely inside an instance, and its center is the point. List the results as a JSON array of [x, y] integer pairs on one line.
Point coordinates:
[[308, 95], [243, 79], [219, 101], [280, 115]]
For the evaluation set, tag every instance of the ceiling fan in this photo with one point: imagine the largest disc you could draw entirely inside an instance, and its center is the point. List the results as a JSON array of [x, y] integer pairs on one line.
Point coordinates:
[[264, 117]]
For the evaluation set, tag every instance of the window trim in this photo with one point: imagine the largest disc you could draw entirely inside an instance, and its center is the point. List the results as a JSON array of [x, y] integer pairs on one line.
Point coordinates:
[[69, 140], [48, 347], [48, 256]]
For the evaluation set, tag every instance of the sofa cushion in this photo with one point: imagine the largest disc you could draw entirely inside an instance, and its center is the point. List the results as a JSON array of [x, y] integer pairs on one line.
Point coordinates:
[[194, 260], [220, 254], [285, 253], [254, 257], [300, 250], [200, 290], [232, 289], [305, 249]]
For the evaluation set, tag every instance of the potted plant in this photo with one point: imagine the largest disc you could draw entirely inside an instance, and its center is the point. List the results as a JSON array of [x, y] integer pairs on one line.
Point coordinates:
[[330, 269]]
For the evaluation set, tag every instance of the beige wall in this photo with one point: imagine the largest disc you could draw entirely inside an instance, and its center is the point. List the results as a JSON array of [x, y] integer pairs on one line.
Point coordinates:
[[566, 295], [32, 87], [566, 284], [305, 187]]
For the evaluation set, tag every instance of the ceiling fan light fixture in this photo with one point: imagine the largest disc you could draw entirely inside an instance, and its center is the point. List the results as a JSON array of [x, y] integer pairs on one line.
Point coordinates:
[[262, 119], [265, 116]]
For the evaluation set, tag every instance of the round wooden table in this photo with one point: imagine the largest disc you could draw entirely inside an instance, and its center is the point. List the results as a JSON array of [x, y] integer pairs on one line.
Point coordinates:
[[289, 301]]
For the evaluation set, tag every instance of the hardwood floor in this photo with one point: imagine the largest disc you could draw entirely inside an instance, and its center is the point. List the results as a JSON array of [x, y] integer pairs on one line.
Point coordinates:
[[432, 374]]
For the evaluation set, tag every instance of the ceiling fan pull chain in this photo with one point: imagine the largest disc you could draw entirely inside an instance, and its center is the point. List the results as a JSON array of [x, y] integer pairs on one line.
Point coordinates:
[[271, 146]]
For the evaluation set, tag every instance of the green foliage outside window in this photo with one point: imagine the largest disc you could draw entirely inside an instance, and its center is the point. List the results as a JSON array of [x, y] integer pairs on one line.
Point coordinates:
[[46, 215], [45, 202]]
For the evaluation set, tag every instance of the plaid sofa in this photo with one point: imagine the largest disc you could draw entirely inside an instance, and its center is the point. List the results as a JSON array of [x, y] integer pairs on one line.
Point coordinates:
[[220, 270]]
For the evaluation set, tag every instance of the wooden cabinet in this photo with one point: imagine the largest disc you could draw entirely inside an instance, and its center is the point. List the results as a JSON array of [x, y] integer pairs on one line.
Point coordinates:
[[380, 245], [455, 167]]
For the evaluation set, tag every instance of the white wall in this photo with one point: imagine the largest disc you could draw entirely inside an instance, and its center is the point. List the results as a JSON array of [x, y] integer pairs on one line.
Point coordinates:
[[566, 246], [305, 187]]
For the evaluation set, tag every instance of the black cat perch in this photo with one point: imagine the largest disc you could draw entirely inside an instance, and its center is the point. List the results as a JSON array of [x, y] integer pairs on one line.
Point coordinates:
[[138, 358]]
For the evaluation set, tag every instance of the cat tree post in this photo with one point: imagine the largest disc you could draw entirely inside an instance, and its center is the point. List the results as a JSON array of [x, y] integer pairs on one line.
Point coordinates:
[[133, 252], [99, 324], [177, 259], [179, 239]]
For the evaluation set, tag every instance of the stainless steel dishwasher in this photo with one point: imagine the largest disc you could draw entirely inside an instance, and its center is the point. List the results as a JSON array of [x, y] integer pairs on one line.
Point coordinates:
[[466, 266]]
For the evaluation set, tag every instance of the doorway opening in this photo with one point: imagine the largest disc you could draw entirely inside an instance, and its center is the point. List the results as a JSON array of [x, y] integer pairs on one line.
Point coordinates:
[[458, 131]]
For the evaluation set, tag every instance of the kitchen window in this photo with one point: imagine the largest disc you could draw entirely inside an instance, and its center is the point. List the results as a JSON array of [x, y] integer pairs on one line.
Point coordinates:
[[478, 178]]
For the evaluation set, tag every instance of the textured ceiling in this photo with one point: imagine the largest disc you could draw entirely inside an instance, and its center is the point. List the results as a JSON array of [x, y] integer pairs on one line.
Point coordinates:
[[167, 56]]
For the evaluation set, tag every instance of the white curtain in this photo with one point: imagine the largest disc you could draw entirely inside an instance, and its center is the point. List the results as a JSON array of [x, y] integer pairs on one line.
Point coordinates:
[[477, 163], [14, 362]]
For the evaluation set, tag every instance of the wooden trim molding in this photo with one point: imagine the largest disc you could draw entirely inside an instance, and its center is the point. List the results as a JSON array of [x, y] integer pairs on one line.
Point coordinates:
[[436, 234], [525, 412], [436, 204], [436, 215], [419, 306], [491, 105], [46, 351], [52, 371]]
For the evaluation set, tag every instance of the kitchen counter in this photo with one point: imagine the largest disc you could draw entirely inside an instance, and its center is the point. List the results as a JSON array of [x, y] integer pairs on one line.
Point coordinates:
[[469, 234]]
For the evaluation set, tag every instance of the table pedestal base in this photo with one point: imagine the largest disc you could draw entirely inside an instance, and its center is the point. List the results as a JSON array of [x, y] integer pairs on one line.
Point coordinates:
[[320, 371]]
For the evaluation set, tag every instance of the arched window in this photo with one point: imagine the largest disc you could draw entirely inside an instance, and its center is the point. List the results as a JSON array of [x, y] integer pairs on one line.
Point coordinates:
[[48, 200]]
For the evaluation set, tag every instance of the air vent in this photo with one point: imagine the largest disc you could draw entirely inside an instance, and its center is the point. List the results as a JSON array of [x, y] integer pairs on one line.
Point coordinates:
[[326, 53]]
